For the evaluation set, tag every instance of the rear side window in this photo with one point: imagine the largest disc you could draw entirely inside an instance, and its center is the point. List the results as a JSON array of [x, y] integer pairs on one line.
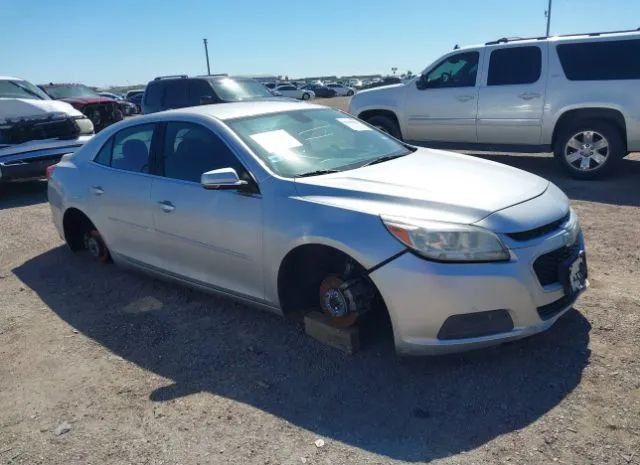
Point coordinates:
[[131, 147], [153, 94], [176, 94], [607, 60], [104, 155], [514, 65]]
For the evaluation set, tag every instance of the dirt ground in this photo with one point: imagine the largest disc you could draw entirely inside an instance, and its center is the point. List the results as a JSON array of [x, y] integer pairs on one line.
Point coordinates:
[[99, 365]]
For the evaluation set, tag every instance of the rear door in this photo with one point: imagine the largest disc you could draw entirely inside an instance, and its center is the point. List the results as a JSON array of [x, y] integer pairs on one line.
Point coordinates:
[[442, 104], [512, 95], [120, 190], [208, 236]]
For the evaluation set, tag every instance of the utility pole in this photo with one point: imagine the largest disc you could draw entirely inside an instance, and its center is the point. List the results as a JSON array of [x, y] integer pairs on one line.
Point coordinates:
[[548, 15], [206, 52]]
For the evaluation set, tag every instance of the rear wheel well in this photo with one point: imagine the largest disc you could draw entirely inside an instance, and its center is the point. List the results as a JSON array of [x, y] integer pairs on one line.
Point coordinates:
[[75, 225], [303, 269], [572, 117]]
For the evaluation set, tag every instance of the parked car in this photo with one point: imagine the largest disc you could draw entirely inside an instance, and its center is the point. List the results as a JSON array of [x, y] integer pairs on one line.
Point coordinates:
[[292, 91], [135, 97], [292, 206], [182, 91], [100, 110], [355, 83], [127, 108], [320, 91], [342, 90], [526, 95], [35, 131]]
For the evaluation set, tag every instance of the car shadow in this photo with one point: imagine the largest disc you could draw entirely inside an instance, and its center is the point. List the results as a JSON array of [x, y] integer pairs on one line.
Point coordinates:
[[22, 194], [413, 409], [618, 188]]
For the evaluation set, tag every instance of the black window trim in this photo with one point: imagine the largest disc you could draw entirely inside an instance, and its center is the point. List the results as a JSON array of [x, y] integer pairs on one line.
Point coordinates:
[[540, 74], [158, 165]]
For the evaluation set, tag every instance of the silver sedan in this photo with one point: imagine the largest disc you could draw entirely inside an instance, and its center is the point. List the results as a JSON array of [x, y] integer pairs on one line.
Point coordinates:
[[291, 206]]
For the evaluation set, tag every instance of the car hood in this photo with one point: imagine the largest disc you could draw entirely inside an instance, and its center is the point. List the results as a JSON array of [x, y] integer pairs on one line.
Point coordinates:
[[14, 108], [427, 184]]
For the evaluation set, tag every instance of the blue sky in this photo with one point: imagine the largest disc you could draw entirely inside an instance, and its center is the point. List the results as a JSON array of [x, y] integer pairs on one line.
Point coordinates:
[[120, 42]]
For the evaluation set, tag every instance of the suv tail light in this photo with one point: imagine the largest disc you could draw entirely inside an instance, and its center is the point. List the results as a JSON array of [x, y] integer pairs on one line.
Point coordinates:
[[49, 170]]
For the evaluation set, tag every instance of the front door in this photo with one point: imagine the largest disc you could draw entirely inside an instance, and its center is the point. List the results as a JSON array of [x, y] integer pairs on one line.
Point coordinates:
[[443, 103], [213, 237], [512, 97]]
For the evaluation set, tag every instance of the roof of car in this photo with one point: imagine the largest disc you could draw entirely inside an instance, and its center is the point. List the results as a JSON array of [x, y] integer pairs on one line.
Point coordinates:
[[10, 78], [227, 111]]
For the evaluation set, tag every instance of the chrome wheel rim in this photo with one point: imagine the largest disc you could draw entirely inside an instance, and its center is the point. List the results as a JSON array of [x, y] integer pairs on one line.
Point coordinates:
[[586, 151]]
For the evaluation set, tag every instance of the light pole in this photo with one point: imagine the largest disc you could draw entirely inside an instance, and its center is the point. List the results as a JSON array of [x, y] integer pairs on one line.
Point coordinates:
[[548, 15], [206, 52], [394, 69]]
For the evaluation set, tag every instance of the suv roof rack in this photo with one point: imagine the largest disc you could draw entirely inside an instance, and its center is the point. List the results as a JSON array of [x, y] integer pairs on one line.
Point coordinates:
[[504, 40], [172, 76], [213, 75]]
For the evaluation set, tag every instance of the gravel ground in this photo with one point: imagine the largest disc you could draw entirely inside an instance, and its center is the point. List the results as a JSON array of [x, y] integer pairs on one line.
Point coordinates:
[[100, 365]]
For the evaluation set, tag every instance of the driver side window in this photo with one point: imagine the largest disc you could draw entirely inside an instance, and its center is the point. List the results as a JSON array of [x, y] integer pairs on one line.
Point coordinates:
[[458, 70]]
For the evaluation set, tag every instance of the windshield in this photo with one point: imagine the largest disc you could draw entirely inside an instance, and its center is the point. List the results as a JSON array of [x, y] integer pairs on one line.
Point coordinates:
[[21, 89], [303, 142], [59, 92], [236, 90]]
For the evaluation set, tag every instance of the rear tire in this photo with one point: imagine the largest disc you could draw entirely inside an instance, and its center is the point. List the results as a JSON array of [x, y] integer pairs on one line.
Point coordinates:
[[95, 245], [350, 93], [385, 124], [306, 96], [589, 149]]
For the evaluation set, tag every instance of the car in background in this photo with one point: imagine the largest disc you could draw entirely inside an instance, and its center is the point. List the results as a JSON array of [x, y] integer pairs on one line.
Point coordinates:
[[100, 110], [135, 97], [167, 92], [289, 90], [35, 131], [293, 206], [342, 90], [573, 95], [355, 83], [126, 107], [320, 90]]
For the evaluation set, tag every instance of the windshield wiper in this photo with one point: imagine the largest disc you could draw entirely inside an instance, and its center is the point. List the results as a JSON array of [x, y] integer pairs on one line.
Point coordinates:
[[316, 173], [384, 158]]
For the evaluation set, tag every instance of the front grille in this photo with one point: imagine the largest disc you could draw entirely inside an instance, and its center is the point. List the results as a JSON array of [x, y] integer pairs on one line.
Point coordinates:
[[46, 128], [552, 309], [540, 231], [546, 266]]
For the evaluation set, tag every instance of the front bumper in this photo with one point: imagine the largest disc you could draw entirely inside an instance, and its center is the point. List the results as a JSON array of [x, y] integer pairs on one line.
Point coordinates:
[[421, 295]]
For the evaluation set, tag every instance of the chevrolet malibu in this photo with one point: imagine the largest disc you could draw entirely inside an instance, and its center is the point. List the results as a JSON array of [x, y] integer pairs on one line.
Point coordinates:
[[291, 206]]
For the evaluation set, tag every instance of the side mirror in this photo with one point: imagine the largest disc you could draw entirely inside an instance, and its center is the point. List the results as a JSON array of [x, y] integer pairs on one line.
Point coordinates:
[[222, 179], [206, 99]]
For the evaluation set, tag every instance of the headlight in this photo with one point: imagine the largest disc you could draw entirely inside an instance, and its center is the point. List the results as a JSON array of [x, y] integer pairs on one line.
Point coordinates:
[[84, 124], [447, 242], [573, 228]]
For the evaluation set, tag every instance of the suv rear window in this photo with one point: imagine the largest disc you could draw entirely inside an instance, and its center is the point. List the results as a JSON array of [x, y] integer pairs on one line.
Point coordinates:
[[176, 94], [153, 94], [514, 65], [605, 60]]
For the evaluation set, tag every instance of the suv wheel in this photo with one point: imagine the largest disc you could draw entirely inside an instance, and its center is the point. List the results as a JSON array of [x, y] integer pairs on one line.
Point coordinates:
[[589, 149], [306, 96], [385, 124]]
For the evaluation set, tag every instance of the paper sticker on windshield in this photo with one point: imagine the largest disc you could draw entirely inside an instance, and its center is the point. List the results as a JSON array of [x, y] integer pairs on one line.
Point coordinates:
[[354, 124], [277, 142]]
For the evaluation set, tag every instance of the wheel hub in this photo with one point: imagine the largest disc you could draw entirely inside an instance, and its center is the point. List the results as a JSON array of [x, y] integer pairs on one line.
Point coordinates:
[[335, 302], [93, 246], [587, 150]]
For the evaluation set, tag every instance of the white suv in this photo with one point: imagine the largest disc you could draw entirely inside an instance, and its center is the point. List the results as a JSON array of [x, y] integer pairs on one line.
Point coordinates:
[[577, 96]]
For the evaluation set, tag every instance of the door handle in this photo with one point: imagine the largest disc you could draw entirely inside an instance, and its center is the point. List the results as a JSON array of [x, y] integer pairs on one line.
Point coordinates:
[[166, 206], [97, 190], [529, 95], [465, 98]]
